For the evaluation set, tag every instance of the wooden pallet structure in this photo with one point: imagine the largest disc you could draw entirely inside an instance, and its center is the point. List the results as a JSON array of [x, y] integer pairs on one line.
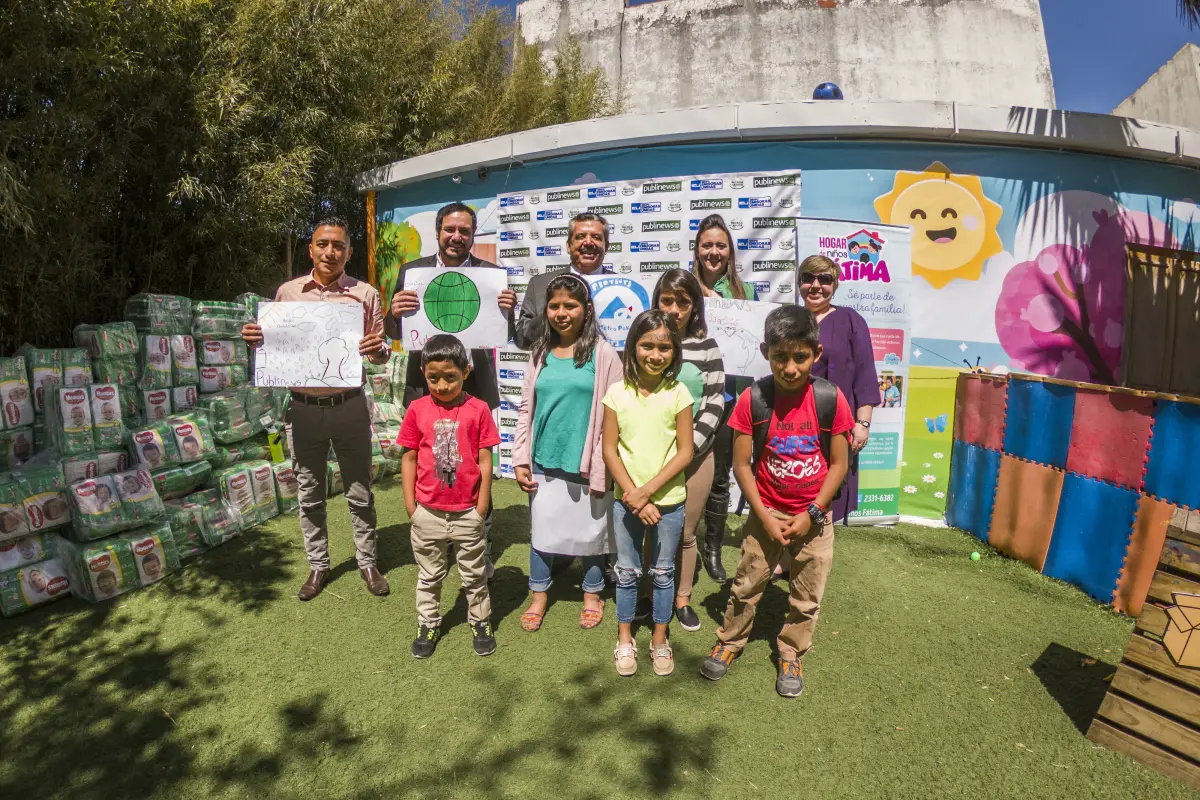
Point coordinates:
[[1152, 710]]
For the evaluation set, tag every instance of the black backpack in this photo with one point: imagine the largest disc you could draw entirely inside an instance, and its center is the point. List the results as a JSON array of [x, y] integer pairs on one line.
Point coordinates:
[[762, 403]]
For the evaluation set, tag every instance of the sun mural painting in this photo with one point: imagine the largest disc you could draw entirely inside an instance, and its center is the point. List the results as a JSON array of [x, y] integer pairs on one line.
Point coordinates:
[[953, 222]]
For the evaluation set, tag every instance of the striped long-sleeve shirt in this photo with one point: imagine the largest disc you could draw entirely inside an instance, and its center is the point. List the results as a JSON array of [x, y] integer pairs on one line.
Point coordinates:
[[705, 356]]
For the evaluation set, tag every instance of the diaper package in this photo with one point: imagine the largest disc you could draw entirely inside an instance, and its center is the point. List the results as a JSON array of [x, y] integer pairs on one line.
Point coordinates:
[[193, 436], [334, 478], [154, 446], [45, 498], [44, 367], [185, 398], [175, 482], [218, 379], [155, 362], [139, 499], [262, 482], [32, 585], [215, 320], [155, 405], [77, 367], [154, 552], [221, 352], [16, 400], [12, 511], [287, 488], [236, 489], [80, 468], [26, 550], [108, 430], [113, 461], [108, 340], [185, 371], [159, 313], [101, 570], [97, 510], [121, 370], [69, 420], [17, 446]]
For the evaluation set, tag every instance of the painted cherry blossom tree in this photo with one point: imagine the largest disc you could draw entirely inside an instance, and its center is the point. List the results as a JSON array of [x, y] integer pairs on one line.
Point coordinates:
[[1063, 313]]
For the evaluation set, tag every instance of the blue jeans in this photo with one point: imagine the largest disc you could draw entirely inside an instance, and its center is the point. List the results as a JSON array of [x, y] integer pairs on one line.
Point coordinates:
[[539, 571], [664, 538]]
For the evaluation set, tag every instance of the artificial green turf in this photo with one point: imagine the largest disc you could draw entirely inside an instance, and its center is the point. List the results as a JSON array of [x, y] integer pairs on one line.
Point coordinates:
[[931, 676]]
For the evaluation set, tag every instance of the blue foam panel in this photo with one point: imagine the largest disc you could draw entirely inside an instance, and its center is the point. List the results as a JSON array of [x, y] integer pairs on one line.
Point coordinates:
[[1091, 535], [1174, 443], [972, 492], [1038, 425]]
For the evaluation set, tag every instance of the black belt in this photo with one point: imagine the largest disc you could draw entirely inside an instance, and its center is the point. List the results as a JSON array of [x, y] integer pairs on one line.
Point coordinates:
[[326, 400]]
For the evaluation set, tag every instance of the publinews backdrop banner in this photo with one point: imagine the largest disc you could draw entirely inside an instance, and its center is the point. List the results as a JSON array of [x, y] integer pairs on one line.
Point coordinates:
[[876, 281], [652, 225]]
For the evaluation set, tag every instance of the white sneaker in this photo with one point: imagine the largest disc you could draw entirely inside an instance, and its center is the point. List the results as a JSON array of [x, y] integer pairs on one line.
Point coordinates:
[[662, 658], [626, 657]]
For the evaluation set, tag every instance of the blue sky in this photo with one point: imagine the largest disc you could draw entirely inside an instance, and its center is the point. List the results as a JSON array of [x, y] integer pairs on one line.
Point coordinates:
[[1102, 50]]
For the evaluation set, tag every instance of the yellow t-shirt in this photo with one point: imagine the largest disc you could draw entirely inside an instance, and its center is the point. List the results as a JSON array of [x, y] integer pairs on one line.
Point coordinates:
[[647, 434]]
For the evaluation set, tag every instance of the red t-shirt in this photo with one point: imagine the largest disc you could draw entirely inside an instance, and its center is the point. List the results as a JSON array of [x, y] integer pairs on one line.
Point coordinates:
[[447, 441], [792, 469]]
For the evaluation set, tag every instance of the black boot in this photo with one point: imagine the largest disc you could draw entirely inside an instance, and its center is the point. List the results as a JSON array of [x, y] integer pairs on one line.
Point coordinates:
[[714, 534]]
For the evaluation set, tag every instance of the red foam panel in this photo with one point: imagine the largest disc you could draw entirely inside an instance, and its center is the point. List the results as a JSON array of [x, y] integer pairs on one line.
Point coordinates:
[[1110, 437], [979, 407]]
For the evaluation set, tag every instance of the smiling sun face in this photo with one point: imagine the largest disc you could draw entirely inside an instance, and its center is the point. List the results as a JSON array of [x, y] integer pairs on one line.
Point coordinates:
[[953, 222]]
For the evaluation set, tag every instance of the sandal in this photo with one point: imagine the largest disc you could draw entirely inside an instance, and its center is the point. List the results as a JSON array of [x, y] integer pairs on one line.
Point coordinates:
[[531, 621], [591, 618]]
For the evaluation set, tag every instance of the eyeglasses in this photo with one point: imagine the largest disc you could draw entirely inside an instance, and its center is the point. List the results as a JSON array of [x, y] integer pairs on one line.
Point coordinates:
[[808, 278]]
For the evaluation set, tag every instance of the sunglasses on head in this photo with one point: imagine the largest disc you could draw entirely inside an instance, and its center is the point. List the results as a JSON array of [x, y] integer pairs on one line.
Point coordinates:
[[807, 278]]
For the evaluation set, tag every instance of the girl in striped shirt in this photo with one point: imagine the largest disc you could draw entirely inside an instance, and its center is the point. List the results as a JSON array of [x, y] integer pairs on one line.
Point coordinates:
[[679, 296]]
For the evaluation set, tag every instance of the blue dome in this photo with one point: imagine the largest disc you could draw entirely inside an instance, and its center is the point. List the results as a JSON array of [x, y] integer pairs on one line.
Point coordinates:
[[827, 91]]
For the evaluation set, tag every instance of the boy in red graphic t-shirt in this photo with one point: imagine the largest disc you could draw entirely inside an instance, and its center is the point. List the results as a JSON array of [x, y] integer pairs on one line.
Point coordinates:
[[448, 437], [789, 487]]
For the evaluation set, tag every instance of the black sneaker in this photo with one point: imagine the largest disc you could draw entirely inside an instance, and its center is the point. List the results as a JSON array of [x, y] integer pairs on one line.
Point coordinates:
[[687, 618], [427, 639], [644, 608], [789, 683], [717, 664], [485, 642]]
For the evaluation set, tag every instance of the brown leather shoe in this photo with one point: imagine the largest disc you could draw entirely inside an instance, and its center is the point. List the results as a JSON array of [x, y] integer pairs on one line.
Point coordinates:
[[376, 583], [315, 583]]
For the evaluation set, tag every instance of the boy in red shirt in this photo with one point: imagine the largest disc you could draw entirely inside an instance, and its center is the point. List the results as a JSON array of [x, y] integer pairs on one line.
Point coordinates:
[[789, 488], [448, 438]]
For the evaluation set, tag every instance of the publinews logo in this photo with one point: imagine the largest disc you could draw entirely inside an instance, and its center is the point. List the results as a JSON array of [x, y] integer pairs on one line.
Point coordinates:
[[645, 208], [554, 197], [759, 223], [602, 191], [778, 265], [614, 247], [754, 202], [709, 203], [658, 266], [511, 236], [608, 211], [508, 219], [660, 225], [557, 233], [515, 200], [753, 244], [515, 252], [657, 187], [513, 357], [707, 184], [645, 247], [549, 213], [761, 181]]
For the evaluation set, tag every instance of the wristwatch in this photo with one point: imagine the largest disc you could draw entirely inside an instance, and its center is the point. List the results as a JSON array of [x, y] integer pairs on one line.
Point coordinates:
[[865, 423], [817, 513]]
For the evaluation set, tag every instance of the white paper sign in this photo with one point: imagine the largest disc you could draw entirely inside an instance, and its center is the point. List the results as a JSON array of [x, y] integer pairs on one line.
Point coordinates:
[[309, 344], [461, 302], [618, 299], [737, 327]]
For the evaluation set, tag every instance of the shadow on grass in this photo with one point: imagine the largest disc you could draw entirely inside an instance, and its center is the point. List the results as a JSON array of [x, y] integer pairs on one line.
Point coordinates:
[[1075, 681], [246, 572]]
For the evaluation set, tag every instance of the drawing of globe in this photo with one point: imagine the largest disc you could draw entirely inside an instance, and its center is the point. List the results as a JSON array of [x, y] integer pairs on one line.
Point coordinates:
[[451, 302]]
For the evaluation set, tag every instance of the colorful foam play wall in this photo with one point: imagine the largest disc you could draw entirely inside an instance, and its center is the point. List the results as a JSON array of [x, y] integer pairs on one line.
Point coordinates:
[[1078, 480]]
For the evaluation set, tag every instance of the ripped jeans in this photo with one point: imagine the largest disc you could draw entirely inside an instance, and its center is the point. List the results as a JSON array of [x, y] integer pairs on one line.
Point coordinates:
[[664, 541]]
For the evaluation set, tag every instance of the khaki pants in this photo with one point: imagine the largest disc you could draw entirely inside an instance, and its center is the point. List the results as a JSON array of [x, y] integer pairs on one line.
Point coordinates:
[[432, 532], [347, 427], [812, 556], [699, 482]]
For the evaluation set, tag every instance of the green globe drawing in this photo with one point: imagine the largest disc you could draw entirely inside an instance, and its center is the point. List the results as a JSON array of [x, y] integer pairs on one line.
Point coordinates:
[[451, 302]]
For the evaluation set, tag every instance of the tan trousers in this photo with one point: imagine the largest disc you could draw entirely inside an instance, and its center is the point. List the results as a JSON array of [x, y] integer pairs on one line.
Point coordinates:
[[812, 556], [699, 482], [432, 531], [347, 428]]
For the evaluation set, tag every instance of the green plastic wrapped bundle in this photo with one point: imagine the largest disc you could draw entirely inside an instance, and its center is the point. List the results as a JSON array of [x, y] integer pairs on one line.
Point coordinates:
[[175, 482], [388, 434], [154, 552], [251, 301], [154, 361], [12, 510], [97, 510], [17, 446], [80, 468], [384, 413], [121, 370], [100, 570], [287, 488], [108, 428], [15, 398], [334, 479], [187, 525], [161, 314], [235, 485], [184, 370], [77, 367], [193, 436], [185, 398], [113, 461], [377, 468], [155, 405], [26, 550], [221, 522], [262, 482], [44, 367], [45, 498], [41, 439], [30, 586], [213, 319], [218, 379], [139, 498], [131, 405], [154, 446], [219, 352], [108, 340], [69, 421], [225, 410]]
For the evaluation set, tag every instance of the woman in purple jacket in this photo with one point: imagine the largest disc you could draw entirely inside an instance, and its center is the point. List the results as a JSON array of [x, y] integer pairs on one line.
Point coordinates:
[[848, 359]]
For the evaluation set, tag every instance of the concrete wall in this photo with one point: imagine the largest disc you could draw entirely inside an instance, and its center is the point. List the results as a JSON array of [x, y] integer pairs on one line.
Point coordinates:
[[680, 53], [1172, 95]]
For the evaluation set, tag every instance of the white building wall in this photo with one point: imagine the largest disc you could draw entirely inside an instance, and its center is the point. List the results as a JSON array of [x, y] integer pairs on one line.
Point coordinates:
[[680, 53], [1172, 95]]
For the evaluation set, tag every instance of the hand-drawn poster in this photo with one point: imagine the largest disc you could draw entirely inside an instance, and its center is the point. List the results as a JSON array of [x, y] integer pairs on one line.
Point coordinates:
[[309, 344], [461, 302], [618, 300], [737, 327]]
